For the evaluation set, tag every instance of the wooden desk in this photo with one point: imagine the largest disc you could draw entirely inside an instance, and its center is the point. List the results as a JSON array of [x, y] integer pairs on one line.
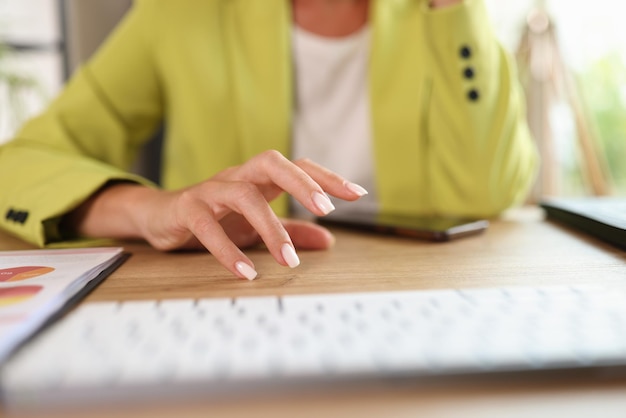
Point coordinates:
[[520, 249]]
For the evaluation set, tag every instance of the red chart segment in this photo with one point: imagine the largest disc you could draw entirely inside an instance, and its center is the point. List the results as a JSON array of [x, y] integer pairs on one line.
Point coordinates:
[[17, 294], [15, 274]]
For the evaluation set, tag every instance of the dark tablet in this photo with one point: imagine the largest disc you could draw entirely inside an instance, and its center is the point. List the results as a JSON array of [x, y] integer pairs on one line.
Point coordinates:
[[601, 217]]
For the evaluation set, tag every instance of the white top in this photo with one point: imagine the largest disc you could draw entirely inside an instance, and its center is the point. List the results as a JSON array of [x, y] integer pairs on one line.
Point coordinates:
[[332, 124]]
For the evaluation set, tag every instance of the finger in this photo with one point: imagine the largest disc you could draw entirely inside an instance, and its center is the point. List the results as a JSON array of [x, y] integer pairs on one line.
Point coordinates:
[[211, 235], [331, 182], [307, 235], [251, 204], [273, 168], [240, 231], [247, 200]]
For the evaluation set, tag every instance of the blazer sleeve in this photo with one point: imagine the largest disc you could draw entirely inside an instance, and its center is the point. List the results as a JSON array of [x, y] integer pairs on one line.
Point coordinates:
[[483, 157], [87, 137]]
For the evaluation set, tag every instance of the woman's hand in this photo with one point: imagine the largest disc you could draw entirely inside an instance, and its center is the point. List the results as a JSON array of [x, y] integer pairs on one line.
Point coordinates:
[[224, 213]]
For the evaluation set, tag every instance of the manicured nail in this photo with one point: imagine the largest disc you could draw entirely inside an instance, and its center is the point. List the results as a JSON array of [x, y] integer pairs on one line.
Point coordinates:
[[323, 203], [245, 270], [290, 256], [355, 188]]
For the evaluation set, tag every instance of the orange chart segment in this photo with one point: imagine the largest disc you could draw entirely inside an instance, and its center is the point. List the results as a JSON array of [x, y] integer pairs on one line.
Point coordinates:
[[15, 274], [13, 295]]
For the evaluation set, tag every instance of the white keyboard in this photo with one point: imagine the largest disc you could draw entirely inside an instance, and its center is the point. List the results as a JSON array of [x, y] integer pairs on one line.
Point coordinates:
[[148, 348]]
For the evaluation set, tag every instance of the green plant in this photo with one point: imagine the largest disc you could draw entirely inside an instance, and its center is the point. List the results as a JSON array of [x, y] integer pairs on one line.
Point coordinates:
[[603, 87]]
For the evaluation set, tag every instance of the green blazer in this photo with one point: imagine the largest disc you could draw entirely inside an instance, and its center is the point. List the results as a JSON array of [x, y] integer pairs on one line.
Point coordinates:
[[447, 114]]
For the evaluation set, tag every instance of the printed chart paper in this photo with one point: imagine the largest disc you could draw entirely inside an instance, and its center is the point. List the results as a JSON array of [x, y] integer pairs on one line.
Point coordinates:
[[35, 284]]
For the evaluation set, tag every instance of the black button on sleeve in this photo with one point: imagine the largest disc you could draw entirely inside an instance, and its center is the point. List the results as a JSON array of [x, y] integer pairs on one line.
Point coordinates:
[[473, 95], [21, 217], [465, 52], [468, 73]]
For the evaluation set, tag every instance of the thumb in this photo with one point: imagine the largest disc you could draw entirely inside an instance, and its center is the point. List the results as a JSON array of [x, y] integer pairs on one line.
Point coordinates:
[[308, 235]]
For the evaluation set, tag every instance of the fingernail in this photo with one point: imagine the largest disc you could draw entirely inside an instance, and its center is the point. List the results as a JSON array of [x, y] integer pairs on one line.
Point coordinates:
[[290, 256], [246, 270], [355, 188], [323, 203]]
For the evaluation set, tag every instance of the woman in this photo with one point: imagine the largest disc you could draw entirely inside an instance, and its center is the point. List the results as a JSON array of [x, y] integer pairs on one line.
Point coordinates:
[[413, 99]]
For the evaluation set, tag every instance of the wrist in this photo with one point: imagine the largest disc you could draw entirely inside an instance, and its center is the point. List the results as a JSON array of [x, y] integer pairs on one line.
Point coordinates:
[[114, 211]]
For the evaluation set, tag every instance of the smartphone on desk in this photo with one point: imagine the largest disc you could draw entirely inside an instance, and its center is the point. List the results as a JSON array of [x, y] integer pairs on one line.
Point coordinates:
[[430, 228]]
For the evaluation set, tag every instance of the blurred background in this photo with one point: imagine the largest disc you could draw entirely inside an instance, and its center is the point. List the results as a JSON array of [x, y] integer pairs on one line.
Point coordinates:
[[571, 58]]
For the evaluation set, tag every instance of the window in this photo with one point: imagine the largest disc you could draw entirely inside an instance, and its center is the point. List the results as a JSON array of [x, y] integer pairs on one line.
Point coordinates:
[[30, 71], [592, 44]]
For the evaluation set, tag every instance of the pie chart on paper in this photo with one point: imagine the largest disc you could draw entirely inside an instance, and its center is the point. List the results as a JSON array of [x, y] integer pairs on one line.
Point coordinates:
[[14, 295], [15, 274]]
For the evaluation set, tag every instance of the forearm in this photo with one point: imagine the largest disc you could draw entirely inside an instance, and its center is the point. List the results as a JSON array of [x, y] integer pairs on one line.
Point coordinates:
[[483, 157], [85, 139]]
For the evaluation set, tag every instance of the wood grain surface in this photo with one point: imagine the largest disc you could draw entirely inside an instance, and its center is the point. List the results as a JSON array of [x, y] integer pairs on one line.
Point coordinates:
[[519, 249]]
